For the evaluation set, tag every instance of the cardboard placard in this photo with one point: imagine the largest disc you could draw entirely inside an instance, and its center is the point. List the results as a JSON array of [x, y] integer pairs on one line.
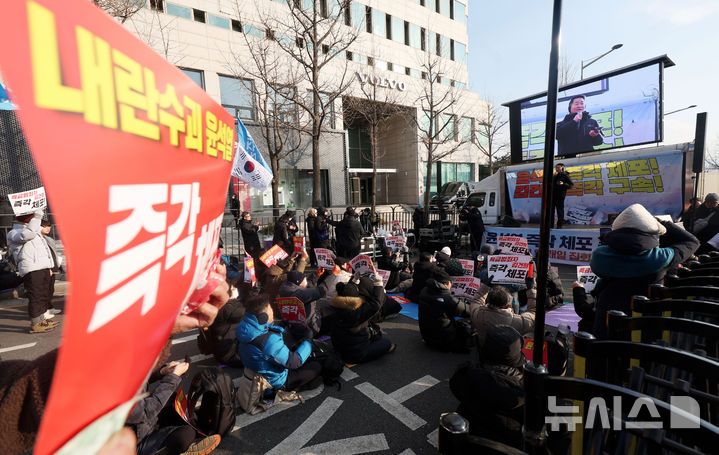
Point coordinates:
[[587, 278], [292, 309], [512, 245], [399, 299], [250, 276], [508, 269], [395, 242], [273, 255], [465, 286], [384, 274], [28, 201], [363, 264], [161, 151], [299, 243], [397, 227], [324, 258], [467, 266]]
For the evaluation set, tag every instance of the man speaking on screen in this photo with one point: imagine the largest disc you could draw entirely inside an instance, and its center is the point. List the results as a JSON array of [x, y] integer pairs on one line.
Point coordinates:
[[578, 132]]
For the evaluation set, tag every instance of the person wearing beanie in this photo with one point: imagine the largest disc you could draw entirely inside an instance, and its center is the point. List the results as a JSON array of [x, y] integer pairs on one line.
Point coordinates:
[[490, 392], [330, 279], [639, 251], [348, 233], [705, 222], [354, 338], [296, 286], [437, 311], [263, 349], [424, 269], [276, 275]]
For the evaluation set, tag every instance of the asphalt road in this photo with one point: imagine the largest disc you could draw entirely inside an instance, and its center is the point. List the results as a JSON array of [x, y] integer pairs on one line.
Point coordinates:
[[389, 406]]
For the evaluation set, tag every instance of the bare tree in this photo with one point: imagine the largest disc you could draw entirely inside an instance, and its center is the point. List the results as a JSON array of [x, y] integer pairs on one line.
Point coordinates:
[[273, 86], [567, 71], [121, 10], [711, 157], [438, 108], [312, 35], [154, 29], [488, 136], [373, 106]]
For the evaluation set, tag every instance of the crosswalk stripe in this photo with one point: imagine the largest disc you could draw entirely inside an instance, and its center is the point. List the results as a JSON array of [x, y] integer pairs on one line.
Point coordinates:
[[18, 347]]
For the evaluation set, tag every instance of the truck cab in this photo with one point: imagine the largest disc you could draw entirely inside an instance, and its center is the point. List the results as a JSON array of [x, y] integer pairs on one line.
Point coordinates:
[[487, 197], [453, 193]]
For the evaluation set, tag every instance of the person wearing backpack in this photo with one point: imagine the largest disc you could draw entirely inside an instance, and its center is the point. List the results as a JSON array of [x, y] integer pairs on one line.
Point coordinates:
[[264, 351], [34, 263]]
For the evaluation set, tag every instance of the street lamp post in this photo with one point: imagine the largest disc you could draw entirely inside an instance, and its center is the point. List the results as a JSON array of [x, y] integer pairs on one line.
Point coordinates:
[[581, 72], [682, 109]]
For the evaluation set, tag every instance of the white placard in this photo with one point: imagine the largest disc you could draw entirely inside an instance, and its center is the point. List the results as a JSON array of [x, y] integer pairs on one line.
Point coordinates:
[[362, 264], [467, 266], [508, 269], [384, 274], [324, 258], [394, 242], [465, 286], [512, 245], [587, 278], [28, 201]]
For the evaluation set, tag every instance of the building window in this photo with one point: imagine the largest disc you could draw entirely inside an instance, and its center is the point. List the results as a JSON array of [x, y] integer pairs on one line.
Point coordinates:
[[349, 55], [282, 104], [198, 15], [370, 61], [460, 12], [466, 129], [459, 52], [444, 46], [330, 120], [451, 49], [196, 75], [379, 23], [218, 21], [358, 13], [397, 29], [446, 8], [236, 26], [179, 11], [406, 33], [407, 70], [448, 128], [451, 9], [254, 31], [423, 39], [156, 5], [413, 38], [236, 97]]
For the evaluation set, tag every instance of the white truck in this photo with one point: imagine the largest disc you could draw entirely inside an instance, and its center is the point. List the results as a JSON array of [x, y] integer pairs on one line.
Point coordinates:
[[604, 183]]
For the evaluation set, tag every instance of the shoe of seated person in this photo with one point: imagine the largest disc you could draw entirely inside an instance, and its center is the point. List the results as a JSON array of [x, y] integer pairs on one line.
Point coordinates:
[[203, 446], [54, 311]]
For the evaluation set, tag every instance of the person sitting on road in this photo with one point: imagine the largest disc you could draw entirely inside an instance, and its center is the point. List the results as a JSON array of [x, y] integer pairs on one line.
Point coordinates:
[[424, 268], [340, 274], [296, 286], [263, 349], [491, 392], [451, 265], [492, 306], [397, 264], [354, 338], [584, 309], [437, 311], [221, 334], [277, 274]]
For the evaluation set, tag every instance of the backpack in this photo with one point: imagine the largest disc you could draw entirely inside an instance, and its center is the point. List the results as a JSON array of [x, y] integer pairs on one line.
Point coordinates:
[[332, 364], [557, 352], [217, 411]]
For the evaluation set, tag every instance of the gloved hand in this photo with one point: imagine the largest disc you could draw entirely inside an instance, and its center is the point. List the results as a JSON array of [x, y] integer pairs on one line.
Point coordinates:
[[405, 249], [356, 278], [488, 281], [376, 279], [531, 282]]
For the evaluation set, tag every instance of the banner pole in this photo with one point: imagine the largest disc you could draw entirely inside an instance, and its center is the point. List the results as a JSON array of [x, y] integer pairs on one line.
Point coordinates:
[[547, 214]]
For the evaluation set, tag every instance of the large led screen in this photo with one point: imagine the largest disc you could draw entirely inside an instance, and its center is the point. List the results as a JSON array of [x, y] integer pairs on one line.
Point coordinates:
[[615, 111]]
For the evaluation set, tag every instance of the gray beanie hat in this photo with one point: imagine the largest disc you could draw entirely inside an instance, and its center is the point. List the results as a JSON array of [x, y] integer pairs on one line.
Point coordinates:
[[637, 217], [711, 197]]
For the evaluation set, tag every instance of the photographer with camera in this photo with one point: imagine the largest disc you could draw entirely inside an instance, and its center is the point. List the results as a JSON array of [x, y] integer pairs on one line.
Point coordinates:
[[578, 132]]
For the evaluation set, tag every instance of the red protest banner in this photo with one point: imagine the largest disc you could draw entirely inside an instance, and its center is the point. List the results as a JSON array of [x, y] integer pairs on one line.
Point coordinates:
[[250, 276], [136, 159], [273, 255], [299, 243], [292, 309]]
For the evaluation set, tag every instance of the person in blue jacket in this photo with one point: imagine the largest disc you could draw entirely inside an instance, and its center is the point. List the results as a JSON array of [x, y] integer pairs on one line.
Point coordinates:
[[264, 351]]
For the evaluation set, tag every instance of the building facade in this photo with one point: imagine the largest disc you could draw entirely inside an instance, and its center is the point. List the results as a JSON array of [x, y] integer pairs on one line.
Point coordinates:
[[399, 53]]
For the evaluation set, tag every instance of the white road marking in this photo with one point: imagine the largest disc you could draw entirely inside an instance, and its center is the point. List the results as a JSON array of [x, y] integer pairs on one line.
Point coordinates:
[[18, 347], [349, 446], [389, 404], [408, 452], [348, 374], [184, 339], [245, 419], [432, 438], [302, 435], [414, 388]]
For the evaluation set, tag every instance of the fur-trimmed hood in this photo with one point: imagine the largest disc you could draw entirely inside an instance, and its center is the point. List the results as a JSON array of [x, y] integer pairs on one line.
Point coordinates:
[[346, 303]]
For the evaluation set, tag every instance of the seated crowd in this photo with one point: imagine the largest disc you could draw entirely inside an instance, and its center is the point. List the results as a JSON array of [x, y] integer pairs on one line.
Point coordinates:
[[248, 332]]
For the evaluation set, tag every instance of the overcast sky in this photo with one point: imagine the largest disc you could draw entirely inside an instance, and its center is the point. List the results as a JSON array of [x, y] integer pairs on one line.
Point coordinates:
[[509, 44]]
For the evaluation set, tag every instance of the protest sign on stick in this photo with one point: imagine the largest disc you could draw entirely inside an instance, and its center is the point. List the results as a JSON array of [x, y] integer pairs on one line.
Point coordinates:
[[299, 243], [28, 201], [103, 113], [587, 278], [509, 269], [273, 255], [292, 309], [250, 276], [324, 258], [362, 264], [465, 286]]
